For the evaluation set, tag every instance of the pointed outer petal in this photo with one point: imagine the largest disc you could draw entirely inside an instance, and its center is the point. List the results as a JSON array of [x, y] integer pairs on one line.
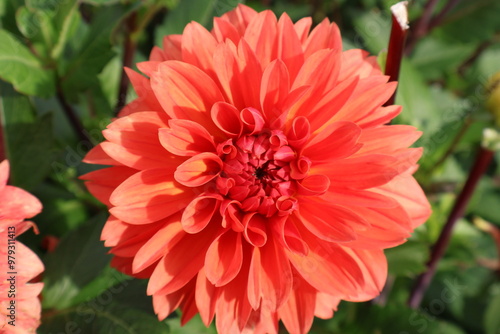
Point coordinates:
[[325, 35], [157, 54], [172, 47], [186, 92], [133, 141], [130, 243], [262, 321], [199, 212], [357, 62], [330, 222], [255, 229], [313, 185], [198, 170], [252, 119], [293, 97], [97, 156], [274, 90], [289, 46], [224, 258], [186, 138], [4, 173], [319, 71], [359, 108], [147, 100], [188, 305], [232, 307], [299, 133], [113, 231], [358, 198], [270, 278], [302, 28], [325, 305], [320, 112], [206, 297], [328, 268], [182, 261], [240, 17], [406, 190], [389, 227], [297, 313], [157, 245], [148, 67], [198, 47], [124, 264], [16, 203], [337, 141], [380, 116], [148, 196], [373, 265], [223, 30], [227, 118], [231, 215], [387, 138], [261, 36], [101, 183], [289, 236], [360, 172], [164, 305], [24, 272]]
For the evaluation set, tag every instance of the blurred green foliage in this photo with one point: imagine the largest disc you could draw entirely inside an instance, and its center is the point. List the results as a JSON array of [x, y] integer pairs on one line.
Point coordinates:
[[53, 51]]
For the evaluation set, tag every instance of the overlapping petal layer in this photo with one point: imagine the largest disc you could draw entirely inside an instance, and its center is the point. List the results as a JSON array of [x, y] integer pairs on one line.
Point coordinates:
[[255, 179], [20, 306]]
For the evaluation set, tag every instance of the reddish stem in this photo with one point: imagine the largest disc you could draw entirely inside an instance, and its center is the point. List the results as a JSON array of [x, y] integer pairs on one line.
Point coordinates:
[[396, 44], [482, 162]]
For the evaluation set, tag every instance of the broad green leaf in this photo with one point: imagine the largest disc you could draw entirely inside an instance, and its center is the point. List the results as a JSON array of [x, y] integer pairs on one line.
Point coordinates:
[[408, 259], [28, 138], [92, 54], [77, 261], [21, 68], [491, 317], [35, 25]]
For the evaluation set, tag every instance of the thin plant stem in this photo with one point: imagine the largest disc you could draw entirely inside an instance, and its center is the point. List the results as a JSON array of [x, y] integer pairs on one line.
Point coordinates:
[[396, 43], [421, 25], [72, 117], [438, 19], [481, 164], [128, 57]]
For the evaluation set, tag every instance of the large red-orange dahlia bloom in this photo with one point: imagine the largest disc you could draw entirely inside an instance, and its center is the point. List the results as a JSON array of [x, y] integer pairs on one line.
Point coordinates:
[[19, 304], [254, 178]]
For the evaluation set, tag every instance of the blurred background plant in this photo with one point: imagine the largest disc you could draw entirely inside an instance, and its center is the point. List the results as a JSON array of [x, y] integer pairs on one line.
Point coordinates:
[[62, 81]]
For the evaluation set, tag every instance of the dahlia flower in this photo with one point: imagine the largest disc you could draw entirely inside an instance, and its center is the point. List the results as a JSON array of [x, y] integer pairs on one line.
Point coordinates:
[[19, 303], [255, 178]]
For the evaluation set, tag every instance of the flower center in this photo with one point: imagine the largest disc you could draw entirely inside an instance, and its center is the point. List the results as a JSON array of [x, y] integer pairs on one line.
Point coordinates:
[[257, 171]]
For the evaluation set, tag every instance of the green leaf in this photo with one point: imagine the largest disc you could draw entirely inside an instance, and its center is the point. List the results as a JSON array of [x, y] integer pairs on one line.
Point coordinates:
[[95, 51], [77, 261], [491, 317], [21, 68], [408, 259], [28, 139], [123, 308]]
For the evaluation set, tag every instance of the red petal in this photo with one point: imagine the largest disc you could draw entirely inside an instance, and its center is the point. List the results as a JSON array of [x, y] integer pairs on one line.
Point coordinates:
[[227, 118], [18, 204], [198, 170], [149, 196], [193, 37], [270, 279], [224, 258], [261, 36], [101, 183], [289, 46], [186, 138], [274, 90], [297, 313], [313, 185], [206, 297], [325, 35], [199, 212], [339, 140], [186, 92]]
